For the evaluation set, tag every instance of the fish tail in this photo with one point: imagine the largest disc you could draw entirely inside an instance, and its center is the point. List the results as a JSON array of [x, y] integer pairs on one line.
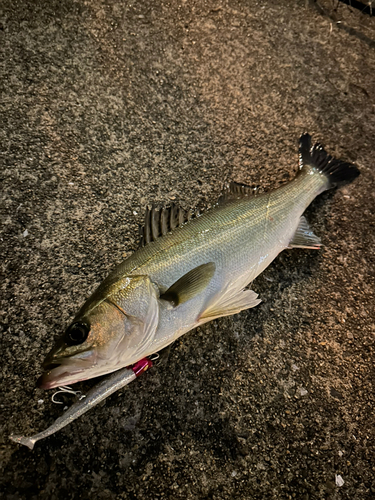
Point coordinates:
[[317, 159]]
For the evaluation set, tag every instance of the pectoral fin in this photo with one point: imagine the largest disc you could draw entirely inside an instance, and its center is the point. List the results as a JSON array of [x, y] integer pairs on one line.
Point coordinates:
[[190, 285], [304, 237]]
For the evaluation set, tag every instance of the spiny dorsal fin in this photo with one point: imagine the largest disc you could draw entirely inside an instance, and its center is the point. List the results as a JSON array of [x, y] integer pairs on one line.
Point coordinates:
[[236, 191], [162, 220]]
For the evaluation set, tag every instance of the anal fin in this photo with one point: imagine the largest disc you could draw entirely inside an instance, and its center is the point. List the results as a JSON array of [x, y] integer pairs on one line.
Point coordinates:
[[304, 237], [229, 304]]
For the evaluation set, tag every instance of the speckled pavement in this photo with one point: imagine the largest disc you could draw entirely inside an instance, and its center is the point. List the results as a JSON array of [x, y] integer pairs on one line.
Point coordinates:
[[108, 106]]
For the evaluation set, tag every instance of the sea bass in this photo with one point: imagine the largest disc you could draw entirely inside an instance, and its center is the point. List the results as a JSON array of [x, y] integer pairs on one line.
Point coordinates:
[[191, 271]]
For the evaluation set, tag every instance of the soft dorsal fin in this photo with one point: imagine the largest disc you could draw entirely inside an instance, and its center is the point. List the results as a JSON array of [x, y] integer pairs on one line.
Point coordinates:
[[162, 220], [236, 191], [190, 285]]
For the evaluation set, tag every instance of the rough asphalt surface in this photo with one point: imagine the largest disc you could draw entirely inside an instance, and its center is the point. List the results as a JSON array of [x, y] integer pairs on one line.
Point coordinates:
[[108, 106]]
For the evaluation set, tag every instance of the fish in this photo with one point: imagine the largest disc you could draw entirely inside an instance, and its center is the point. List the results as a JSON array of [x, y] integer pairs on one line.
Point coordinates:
[[191, 269]]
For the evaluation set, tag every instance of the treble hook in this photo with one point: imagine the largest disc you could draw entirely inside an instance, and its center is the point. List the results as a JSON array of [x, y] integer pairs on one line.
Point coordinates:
[[154, 357], [68, 390]]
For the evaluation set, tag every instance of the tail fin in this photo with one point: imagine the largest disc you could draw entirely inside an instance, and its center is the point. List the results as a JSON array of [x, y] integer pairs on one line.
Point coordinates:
[[315, 157]]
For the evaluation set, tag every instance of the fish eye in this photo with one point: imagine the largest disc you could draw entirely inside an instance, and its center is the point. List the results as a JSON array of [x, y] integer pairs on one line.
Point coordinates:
[[77, 333]]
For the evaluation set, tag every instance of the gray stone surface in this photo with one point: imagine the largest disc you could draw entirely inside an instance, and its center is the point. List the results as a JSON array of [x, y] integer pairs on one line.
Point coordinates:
[[107, 106]]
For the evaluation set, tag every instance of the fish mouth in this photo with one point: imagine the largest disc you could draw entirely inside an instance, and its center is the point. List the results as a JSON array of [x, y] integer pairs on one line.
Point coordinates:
[[65, 371], [58, 376]]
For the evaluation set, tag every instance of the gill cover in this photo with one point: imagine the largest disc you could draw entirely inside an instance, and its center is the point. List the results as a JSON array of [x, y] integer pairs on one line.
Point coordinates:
[[137, 298]]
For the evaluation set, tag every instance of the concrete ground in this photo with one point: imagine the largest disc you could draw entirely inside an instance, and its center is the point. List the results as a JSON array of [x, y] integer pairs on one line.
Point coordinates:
[[108, 106]]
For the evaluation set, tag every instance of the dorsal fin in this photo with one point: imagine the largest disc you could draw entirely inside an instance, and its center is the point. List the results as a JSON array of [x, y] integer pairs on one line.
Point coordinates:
[[162, 220], [236, 191]]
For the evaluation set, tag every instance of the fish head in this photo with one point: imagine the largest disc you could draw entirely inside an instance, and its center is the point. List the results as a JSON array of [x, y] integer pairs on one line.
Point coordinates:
[[112, 330]]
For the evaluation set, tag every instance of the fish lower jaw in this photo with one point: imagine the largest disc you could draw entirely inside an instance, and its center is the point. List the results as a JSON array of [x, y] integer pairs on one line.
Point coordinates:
[[68, 374], [50, 380], [67, 371]]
